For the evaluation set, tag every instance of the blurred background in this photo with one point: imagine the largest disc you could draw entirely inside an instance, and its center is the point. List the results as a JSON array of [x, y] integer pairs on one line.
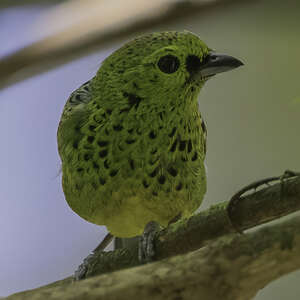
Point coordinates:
[[252, 115]]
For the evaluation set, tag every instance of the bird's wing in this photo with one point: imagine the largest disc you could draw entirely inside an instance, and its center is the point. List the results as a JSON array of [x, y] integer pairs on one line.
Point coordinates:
[[77, 101], [81, 95], [73, 116]]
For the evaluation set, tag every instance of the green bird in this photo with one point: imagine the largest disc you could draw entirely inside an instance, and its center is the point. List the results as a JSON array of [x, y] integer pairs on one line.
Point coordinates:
[[132, 140]]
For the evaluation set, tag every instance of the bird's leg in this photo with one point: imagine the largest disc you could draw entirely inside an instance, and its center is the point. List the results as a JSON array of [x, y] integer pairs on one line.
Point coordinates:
[[104, 243], [81, 271], [253, 186], [146, 242]]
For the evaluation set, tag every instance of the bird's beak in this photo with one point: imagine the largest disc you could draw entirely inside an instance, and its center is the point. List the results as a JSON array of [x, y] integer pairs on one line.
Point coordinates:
[[217, 63]]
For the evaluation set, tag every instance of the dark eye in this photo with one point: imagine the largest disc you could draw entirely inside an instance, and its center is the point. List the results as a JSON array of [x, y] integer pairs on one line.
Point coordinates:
[[168, 64]]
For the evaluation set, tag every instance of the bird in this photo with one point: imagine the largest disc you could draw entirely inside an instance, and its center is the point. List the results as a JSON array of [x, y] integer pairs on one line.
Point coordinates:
[[132, 140]]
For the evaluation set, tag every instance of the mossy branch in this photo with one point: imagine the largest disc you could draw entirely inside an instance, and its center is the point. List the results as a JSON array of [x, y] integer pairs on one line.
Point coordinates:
[[187, 235], [226, 264], [231, 267]]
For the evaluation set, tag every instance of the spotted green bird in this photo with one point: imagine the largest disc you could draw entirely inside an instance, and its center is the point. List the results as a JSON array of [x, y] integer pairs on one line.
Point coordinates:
[[132, 140]]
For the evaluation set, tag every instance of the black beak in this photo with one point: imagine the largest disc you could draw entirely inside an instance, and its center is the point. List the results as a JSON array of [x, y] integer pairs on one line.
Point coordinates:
[[217, 63]]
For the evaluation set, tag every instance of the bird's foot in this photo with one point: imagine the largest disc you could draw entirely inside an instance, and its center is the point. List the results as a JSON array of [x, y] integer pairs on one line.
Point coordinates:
[[146, 242], [253, 186], [81, 271]]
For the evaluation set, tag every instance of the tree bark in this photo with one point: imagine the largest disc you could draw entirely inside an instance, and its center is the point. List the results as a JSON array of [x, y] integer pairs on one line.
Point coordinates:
[[187, 235]]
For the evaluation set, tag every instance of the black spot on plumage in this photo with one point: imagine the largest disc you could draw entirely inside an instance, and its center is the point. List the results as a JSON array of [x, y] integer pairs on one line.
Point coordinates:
[[103, 153], [153, 160], [86, 156], [92, 128], [152, 135], [106, 164], [102, 143], [178, 186], [154, 172], [118, 127], [78, 97], [190, 146], [173, 147], [153, 151], [75, 145], [161, 179], [172, 133], [203, 126], [90, 138], [130, 141], [145, 184], [172, 171], [126, 109], [102, 180], [131, 163], [182, 145], [113, 173], [133, 100], [95, 165], [195, 156]]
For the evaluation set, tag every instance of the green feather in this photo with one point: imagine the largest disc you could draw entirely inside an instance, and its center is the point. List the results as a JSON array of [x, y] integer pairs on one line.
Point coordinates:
[[132, 140]]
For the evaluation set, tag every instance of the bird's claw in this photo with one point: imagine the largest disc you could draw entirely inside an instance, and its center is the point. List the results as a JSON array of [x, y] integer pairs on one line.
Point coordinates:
[[146, 242], [81, 271]]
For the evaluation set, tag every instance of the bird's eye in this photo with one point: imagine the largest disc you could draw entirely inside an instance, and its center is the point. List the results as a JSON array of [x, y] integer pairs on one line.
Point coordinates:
[[168, 64]]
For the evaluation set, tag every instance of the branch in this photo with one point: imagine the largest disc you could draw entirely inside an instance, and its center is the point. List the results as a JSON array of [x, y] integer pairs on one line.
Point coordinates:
[[100, 23], [232, 267], [16, 3], [187, 235], [200, 230]]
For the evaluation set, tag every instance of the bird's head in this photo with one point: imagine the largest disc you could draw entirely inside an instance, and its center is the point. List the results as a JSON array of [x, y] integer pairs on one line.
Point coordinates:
[[163, 66]]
